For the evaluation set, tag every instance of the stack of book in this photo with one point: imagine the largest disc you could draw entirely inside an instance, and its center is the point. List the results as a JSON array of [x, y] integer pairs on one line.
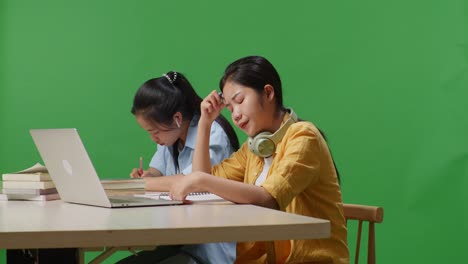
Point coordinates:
[[33, 184], [118, 187], [123, 184]]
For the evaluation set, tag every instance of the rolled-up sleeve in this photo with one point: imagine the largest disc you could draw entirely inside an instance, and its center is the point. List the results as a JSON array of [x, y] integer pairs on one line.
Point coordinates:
[[297, 166]]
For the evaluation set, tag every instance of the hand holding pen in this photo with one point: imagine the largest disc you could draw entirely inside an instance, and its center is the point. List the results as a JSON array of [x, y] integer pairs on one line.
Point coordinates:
[[139, 172]]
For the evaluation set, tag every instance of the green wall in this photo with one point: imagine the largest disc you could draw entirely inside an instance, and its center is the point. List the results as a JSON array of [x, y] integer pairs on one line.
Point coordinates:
[[386, 80]]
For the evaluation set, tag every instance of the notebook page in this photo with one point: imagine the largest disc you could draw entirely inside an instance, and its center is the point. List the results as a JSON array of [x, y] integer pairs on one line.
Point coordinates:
[[198, 196]]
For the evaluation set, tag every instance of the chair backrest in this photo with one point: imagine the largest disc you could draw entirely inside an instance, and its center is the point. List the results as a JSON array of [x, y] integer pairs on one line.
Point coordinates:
[[364, 213]]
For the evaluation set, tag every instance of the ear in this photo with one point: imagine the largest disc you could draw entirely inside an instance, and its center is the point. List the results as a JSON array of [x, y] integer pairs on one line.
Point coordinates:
[[269, 92], [177, 117]]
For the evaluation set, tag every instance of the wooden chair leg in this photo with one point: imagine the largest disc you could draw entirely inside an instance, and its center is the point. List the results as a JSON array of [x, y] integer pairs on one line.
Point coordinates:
[[371, 245], [358, 243]]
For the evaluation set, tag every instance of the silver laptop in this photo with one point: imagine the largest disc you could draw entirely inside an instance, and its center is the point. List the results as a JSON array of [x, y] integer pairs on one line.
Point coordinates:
[[73, 173]]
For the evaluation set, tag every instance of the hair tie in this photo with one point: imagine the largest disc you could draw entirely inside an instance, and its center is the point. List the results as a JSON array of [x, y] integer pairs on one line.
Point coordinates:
[[169, 78]]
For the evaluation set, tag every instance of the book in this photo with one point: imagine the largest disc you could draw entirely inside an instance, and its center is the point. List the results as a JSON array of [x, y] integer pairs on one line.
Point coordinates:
[[193, 197], [117, 184], [38, 176], [29, 191], [28, 185], [37, 172], [29, 197]]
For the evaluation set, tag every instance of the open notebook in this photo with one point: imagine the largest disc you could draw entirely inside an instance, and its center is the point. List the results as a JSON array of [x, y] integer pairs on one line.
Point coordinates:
[[194, 197]]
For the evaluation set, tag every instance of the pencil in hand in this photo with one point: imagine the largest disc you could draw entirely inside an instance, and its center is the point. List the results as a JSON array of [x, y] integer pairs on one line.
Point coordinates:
[[140, 170]]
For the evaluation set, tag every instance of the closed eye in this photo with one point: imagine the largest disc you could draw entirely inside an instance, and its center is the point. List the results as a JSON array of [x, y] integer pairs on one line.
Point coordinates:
[[238, 98]]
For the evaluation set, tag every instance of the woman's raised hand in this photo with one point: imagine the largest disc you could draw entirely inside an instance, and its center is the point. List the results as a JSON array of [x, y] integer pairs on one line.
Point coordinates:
[[211, 106]]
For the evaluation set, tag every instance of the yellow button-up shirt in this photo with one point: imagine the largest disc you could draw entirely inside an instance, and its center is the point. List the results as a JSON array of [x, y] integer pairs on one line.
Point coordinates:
[[303, 180]]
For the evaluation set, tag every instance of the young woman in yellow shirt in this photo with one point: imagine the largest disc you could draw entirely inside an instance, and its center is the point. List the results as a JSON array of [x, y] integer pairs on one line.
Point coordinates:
[[285, 165]]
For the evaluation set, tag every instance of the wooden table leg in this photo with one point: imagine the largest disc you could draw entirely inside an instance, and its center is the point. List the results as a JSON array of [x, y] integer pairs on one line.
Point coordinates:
[[271, 254]]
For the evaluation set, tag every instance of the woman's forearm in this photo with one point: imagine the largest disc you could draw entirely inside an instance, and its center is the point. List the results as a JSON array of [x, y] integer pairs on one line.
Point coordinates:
[[237, 192], [161, 183]]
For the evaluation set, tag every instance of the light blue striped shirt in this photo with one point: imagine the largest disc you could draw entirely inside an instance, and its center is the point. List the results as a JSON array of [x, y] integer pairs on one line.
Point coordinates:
[[220, 149]]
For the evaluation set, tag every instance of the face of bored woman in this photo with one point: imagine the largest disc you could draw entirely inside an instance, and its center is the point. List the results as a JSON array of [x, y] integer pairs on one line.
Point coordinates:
[[250, 111]]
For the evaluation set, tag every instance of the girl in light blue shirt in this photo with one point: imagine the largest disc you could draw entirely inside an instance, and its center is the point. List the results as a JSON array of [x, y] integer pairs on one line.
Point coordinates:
[[169, 108]]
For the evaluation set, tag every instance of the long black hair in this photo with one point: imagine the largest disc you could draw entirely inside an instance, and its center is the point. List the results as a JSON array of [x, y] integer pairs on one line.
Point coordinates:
[[160, 98], [255, 72]]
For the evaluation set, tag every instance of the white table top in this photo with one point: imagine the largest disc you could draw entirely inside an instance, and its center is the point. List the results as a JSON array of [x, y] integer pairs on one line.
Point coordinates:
[[56, 224]]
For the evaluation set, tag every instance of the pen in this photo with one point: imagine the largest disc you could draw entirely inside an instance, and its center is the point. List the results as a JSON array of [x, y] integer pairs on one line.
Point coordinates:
[[140, 171], [222, 98]]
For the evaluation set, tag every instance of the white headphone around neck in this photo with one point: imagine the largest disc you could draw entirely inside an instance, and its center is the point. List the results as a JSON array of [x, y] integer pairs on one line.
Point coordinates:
[[264, 143]]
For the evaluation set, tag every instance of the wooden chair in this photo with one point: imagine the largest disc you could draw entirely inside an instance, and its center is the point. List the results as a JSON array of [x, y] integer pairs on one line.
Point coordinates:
[[364, 213]]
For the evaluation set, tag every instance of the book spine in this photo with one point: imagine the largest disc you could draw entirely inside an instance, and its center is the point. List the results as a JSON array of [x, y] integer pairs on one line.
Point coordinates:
[[29, 191], [27, 197], [27, 185], [26, 177]]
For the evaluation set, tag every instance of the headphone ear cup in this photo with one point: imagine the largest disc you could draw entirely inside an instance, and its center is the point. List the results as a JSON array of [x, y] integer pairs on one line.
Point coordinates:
[[264, 144], [261, 145]]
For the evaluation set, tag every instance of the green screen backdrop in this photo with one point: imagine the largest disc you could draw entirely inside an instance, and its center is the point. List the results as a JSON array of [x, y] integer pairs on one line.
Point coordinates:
[[386, 80]]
